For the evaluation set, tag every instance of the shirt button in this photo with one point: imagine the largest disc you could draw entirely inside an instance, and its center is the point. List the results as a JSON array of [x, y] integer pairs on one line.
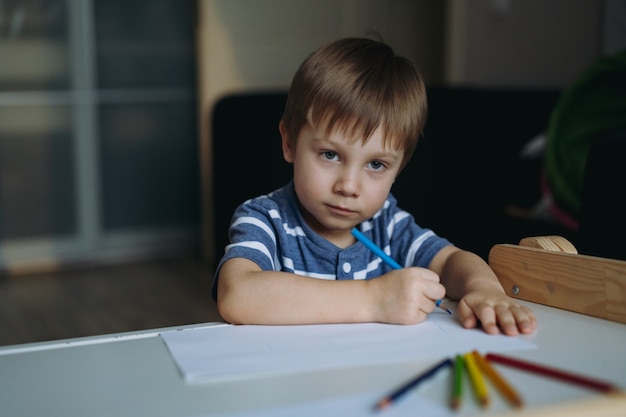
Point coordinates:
[[347, 267]]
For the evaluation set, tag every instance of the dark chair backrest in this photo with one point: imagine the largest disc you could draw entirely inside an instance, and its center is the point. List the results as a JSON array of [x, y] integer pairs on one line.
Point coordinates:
[[467, 168], [602, 229]]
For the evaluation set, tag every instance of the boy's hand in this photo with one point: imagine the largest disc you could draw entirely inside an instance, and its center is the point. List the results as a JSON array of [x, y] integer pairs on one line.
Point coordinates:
[[496, 312], [405, 296]]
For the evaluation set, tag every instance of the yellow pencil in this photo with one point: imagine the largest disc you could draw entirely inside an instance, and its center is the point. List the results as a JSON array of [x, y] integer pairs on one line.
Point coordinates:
[[478, 382], [501, 384]]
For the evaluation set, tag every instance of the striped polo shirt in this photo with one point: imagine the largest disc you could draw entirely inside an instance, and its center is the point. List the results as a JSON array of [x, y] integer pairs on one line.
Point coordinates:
[[270, 231]]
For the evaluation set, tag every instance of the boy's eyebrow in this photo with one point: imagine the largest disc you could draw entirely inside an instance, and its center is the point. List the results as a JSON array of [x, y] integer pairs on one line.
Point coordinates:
[[395, 155]]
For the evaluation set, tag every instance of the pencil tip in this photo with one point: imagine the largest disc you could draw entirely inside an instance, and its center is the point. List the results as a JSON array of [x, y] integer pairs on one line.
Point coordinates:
[[384, 403], [443, 307]]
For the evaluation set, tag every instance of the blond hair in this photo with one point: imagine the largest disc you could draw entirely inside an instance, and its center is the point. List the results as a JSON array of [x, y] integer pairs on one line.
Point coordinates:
[[353, 86]]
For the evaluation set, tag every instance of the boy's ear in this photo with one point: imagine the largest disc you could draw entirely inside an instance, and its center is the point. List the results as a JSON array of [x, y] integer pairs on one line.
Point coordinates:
[[287, 151]]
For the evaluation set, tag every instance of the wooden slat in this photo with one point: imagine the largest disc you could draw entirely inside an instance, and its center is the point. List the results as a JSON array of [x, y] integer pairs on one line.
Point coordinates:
[[584, 284]]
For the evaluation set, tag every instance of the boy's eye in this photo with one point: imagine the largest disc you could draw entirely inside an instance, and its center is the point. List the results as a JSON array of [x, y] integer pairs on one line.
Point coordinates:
[[330, 155], [377, 165]]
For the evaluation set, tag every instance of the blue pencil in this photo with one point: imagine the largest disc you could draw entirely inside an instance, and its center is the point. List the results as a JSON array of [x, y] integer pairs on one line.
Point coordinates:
[[394, 396], [386, 258]]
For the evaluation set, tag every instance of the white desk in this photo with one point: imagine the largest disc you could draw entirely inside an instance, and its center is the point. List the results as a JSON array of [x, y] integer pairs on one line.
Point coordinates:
[[133, 374]]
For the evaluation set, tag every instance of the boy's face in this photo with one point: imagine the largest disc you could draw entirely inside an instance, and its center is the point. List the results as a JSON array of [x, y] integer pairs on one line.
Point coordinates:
[[340, 183]]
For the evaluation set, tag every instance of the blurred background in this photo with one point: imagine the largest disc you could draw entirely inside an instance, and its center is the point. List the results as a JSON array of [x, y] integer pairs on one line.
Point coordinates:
[[105, 144]]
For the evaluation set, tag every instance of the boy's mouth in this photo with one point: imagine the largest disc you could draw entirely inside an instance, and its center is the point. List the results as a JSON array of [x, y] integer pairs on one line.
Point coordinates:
[[343, 211]]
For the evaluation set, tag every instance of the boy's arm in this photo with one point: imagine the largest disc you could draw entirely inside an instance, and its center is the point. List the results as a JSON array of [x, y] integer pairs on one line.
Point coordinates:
[[469, 279], [247, 295]]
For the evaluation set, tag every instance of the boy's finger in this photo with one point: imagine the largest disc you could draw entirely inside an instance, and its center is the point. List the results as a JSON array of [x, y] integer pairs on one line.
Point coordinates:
[[525, 319], [487, 317], [506, 320], [466, 315]]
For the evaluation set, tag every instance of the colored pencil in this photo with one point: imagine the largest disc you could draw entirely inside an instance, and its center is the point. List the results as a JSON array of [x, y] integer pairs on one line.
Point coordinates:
[[478, 382], [398, 393], [500, 383], [386, 259], [457, 385], [553, 373]]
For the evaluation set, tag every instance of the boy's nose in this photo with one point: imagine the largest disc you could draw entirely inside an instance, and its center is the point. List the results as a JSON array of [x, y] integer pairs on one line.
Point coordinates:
[[348, 183]]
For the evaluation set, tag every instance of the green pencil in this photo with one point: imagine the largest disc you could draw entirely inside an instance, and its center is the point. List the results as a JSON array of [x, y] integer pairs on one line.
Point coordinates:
[[457, 386]]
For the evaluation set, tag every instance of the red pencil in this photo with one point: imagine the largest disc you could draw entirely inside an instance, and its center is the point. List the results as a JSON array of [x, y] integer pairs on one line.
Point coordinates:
[[553, 373]]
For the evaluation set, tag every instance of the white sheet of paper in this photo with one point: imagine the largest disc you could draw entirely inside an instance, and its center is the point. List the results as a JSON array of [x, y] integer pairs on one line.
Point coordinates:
[[227, 352]]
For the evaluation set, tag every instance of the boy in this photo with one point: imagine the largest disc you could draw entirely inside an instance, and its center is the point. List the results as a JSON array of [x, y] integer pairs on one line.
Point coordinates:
[[353, 116]]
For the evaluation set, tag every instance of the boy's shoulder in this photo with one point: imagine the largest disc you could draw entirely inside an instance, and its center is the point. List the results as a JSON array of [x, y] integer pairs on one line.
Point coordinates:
[[281, 199]]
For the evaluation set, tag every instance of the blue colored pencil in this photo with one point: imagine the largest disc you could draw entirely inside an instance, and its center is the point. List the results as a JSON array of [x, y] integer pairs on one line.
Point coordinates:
[[386, 259], [395, 395]]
